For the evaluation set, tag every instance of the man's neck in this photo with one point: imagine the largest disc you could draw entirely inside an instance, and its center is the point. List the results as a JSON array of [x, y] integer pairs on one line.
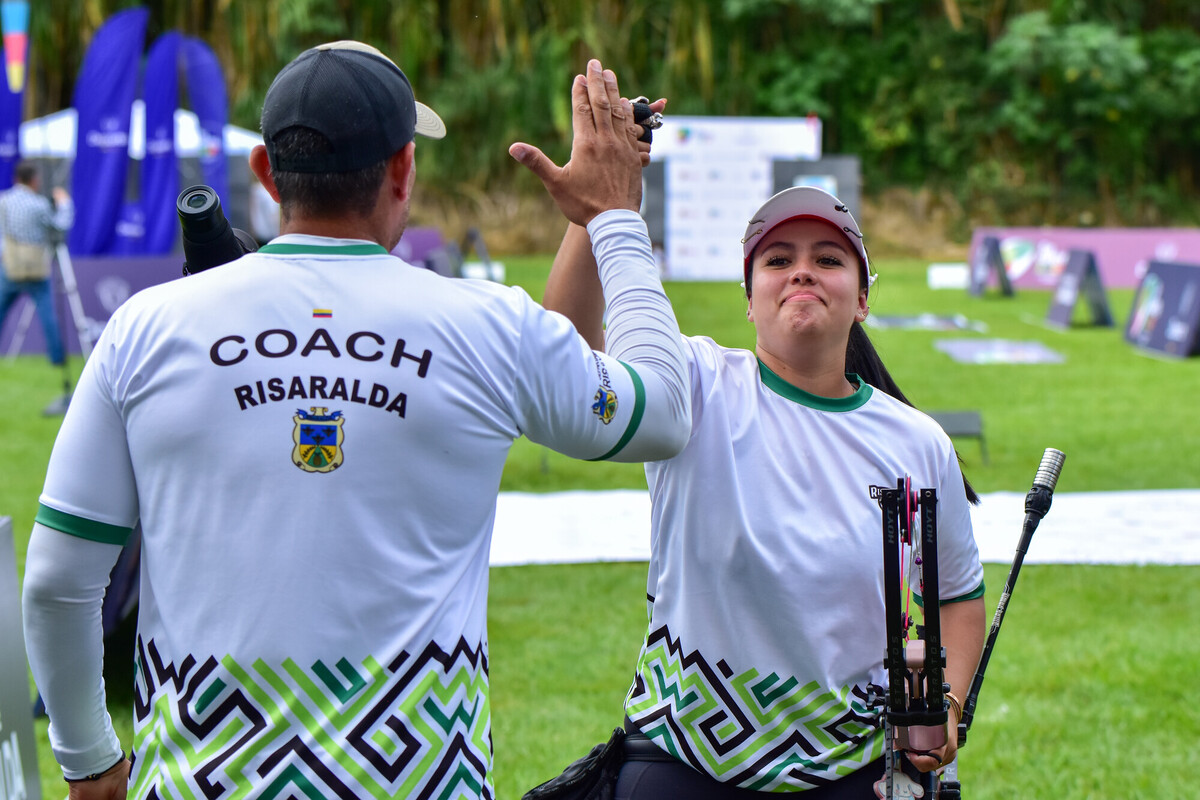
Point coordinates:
[[352, 228]]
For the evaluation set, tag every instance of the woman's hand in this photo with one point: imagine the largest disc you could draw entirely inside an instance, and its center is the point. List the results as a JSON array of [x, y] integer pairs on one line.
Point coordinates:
[[936, 759], [656, 107]]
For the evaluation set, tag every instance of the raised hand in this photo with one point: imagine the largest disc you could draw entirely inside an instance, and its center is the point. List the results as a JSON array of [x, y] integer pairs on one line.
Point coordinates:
[[604, 171]]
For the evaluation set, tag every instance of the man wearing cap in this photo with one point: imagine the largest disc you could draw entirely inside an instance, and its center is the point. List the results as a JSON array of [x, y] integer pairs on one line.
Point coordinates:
[[312, 438], [766, 586]]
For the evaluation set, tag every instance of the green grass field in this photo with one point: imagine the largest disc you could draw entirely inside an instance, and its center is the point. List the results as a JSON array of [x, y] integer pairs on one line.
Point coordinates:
[[1090, 692]]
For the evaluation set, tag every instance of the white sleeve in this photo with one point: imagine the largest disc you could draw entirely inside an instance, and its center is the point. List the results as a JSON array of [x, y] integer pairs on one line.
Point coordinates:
[[960, 571], [97, 504], [65, 581], [642, 332], [632, 404]]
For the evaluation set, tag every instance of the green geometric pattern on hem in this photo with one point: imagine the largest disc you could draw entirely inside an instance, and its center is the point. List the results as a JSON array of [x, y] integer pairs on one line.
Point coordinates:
[[755, 731], [416, 727]]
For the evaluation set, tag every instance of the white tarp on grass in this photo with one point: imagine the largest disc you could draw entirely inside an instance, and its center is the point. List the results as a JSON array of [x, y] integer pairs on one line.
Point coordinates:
[[1151, 527]]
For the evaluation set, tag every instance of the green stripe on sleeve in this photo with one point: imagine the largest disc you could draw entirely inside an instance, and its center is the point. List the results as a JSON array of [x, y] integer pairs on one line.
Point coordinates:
[[635, 419], [83, 528], [974, 594]]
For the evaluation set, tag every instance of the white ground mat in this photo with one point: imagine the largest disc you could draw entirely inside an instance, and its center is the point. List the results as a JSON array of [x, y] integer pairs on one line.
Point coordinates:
[[1153, 527]]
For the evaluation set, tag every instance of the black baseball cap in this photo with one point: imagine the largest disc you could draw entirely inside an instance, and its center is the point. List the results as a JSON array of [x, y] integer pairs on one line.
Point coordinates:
[[353, 95]]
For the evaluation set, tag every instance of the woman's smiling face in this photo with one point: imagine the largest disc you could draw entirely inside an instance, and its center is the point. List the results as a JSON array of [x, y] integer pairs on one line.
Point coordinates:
[[805, 281]]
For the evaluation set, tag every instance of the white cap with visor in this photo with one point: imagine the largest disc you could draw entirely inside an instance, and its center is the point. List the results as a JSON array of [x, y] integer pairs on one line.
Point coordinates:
[[804, 202]]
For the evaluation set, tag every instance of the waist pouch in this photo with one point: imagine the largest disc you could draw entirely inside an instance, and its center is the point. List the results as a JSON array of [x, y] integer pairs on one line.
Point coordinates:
[[594, 776]]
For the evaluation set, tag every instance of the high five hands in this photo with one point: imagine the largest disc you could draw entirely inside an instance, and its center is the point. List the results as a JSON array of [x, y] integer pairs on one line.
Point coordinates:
[[605, 169]]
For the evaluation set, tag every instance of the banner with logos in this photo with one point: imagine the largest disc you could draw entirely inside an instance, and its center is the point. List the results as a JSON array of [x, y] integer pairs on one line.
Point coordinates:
[[104, 97], [103, 284], [11, 105], [14, 18], [717, 171], [206, 92], [1035, 258], [160, 166]]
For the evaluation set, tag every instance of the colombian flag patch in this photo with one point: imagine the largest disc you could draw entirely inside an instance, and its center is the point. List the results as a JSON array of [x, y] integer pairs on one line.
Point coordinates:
[[322, 313]]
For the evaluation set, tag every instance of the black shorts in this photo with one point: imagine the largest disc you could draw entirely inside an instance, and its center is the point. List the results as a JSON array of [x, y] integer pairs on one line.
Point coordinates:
[[652, 774]]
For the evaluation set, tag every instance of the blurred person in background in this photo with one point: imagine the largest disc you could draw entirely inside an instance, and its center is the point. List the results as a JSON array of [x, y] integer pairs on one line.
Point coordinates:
[[29, 228]]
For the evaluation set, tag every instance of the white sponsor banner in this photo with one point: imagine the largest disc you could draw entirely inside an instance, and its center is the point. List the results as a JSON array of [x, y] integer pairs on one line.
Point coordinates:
[[717, 172]]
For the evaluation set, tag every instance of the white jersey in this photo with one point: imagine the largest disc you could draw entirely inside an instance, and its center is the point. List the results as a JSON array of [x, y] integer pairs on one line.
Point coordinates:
[[766, 577], [312, 438]]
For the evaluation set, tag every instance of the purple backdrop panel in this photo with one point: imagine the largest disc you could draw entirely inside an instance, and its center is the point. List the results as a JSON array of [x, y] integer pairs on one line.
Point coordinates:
[[1035, 257], [417, 244], [104, 284]]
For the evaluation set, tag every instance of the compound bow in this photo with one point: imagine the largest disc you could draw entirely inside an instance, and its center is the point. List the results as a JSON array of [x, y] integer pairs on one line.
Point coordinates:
[[915, 709]]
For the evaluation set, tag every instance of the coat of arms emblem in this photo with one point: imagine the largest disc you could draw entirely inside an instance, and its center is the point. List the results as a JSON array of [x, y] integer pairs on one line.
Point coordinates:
[[318, 438], [605, 405]]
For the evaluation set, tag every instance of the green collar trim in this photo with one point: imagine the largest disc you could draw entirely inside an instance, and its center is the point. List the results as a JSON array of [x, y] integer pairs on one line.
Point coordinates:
[[797, 395], [286, 249]]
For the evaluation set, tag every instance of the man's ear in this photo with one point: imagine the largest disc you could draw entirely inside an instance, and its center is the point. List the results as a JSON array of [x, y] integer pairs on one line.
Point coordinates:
[[260, 165], [401, 169]]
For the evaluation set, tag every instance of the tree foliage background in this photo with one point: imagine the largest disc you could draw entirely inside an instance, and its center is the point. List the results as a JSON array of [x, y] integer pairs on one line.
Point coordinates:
[[1075, 112]]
